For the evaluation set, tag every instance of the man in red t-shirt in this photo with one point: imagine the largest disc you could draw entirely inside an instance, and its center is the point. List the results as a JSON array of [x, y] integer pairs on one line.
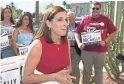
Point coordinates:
[[95, 31]]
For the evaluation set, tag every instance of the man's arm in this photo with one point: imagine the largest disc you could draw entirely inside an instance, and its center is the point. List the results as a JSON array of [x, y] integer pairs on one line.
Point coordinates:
[[77, 37], [110, 37]]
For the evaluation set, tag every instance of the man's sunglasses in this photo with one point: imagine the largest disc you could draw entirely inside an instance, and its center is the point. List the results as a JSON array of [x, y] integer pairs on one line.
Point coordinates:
[[95, 8]]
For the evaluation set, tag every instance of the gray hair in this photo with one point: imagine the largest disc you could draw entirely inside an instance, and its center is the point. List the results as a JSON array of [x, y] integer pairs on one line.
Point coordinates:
[[70, 12]]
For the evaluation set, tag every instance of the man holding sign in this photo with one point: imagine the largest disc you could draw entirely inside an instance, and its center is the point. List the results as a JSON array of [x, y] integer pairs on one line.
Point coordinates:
[[95, 31], [75, 51]]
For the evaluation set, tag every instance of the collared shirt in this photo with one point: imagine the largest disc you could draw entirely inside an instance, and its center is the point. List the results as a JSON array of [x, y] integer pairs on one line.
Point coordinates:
[[71, 27]]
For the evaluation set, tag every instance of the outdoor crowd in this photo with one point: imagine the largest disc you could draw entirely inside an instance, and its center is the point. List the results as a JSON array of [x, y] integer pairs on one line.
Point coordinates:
[[54, 51]]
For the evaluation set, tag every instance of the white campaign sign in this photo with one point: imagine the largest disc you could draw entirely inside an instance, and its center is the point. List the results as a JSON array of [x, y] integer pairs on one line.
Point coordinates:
[[71, 35], [4, 41], [6, 30], [23, 50], [91, 37], [10, 71], [11, 77]]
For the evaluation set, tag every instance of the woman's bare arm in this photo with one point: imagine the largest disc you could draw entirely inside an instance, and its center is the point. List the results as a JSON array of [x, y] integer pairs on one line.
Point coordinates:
[[32, 61], [34, 55], [14, 39], [69, 67]]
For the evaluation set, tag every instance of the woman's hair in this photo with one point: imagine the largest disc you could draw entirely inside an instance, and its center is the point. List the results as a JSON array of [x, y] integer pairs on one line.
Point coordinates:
[[2, 15], [30, 25], [44, 29]]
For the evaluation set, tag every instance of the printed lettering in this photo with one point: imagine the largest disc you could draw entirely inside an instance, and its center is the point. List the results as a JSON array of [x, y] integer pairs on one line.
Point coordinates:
[[88, 38], [4, 41], [71, 35], [13, 81], [23, 50]]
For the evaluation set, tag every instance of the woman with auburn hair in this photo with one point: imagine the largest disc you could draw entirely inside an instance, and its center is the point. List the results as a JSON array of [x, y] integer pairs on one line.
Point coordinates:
[[48, 59]]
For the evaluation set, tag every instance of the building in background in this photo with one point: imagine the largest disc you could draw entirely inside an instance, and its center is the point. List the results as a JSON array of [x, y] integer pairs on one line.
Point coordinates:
[[83, 9]]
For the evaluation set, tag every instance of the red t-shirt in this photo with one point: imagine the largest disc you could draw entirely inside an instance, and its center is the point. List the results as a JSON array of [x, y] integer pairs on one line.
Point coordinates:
[[54, 57], [101, 23]]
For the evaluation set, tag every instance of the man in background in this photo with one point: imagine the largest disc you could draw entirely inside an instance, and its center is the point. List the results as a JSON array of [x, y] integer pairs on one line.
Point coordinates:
[[96, 30], [75, 51]]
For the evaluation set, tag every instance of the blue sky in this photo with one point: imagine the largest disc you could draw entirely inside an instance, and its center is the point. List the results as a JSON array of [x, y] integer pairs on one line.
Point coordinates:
[[29, 5]]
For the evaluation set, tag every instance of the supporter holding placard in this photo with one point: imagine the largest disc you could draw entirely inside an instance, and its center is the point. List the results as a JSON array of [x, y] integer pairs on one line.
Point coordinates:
[[23, 34], [7, 23], [95, 31], [75, 51]]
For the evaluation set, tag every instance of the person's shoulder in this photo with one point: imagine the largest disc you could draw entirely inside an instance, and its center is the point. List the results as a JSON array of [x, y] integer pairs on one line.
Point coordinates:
[[35, 47], [37, 41], [40, 38], [36, 44], [86, 17], [104, 16], [15, 31]]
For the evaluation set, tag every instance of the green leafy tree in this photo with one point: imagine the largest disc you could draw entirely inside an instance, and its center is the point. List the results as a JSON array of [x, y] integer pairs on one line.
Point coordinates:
[[68, 6], [49, 5], [15, 12], [33, 14], [64, 4]]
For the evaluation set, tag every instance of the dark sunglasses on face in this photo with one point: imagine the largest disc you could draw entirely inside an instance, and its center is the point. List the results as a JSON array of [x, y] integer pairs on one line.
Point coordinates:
[[95, 8]]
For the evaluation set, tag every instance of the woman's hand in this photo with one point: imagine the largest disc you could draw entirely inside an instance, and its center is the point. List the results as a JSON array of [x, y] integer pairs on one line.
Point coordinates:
[[64, 77], [69, 68]]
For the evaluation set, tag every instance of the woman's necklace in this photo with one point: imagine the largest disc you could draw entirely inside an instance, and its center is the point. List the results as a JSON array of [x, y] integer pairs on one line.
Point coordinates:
[[57, 46]]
